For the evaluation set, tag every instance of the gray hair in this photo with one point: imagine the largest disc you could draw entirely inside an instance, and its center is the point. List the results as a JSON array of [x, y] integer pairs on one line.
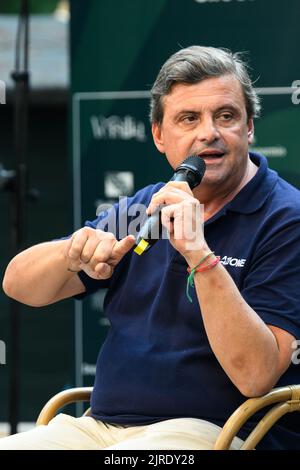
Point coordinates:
[[196, 63]]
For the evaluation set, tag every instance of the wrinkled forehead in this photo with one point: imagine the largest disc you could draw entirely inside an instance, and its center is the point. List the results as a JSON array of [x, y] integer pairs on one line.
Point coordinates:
[[213, 91]]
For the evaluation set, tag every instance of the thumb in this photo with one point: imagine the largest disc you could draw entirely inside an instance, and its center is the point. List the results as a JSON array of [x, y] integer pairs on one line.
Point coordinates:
[[121, 247]]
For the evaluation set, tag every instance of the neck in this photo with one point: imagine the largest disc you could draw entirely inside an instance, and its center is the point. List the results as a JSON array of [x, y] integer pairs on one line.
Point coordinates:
[[214, 201]]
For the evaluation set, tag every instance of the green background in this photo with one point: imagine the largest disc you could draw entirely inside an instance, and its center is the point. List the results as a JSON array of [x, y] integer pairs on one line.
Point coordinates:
[[12, 7]]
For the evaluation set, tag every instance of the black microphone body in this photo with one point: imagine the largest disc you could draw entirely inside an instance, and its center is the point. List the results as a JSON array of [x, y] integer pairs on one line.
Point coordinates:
[[191, 171]]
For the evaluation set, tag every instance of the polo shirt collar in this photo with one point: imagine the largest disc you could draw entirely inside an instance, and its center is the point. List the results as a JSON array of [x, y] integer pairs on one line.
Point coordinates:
[[254, 194]]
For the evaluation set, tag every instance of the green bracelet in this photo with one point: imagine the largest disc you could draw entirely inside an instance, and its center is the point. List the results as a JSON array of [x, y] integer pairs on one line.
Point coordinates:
[[191, 271]]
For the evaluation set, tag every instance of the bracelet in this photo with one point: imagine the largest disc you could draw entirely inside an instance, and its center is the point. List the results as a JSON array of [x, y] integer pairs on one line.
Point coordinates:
[[198, 269], [201, 261], [209, 266]]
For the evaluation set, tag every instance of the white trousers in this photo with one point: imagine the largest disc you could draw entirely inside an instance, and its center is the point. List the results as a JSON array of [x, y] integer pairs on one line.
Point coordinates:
[[68, 433]]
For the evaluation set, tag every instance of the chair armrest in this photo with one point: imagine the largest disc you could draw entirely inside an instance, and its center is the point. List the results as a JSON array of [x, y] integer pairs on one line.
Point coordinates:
[[289, 399], [62, 399]]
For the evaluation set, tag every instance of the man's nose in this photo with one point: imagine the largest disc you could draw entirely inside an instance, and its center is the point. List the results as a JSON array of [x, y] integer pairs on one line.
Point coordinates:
[[207, 130]]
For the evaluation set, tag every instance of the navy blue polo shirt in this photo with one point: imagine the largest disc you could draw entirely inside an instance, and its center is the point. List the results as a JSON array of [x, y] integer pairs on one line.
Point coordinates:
[[156, 362]]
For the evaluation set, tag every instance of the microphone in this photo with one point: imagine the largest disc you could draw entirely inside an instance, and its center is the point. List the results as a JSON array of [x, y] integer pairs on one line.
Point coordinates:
[[191, 170]]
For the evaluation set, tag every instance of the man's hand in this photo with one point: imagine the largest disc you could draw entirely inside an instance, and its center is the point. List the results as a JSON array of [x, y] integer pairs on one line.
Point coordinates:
[[96, 252], [182, 216]]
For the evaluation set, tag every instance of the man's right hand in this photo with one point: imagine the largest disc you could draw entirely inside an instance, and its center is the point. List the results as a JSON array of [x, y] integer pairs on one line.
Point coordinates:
[[96, 252]]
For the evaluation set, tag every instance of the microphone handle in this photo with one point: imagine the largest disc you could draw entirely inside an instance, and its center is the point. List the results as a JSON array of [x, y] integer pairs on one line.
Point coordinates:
[[152, 228]]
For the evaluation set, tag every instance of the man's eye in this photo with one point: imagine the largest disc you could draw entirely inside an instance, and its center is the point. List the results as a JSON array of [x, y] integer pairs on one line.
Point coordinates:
[[189, 119], [226, 116]]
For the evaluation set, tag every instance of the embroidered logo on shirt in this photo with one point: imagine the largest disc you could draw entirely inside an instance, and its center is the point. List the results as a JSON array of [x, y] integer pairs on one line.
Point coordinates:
[[235, 262]]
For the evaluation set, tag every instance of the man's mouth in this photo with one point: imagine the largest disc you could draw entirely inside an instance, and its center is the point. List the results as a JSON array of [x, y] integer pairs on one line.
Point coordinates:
[[211, 154]]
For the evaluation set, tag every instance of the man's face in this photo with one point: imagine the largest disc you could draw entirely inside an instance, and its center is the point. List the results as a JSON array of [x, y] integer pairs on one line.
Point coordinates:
[[208, 119]]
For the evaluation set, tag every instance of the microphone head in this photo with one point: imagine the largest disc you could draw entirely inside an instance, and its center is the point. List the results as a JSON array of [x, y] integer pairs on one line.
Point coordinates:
[[196, 165]]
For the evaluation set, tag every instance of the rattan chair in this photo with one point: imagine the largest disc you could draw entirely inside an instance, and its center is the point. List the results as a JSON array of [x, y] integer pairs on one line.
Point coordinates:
[[285, 400]]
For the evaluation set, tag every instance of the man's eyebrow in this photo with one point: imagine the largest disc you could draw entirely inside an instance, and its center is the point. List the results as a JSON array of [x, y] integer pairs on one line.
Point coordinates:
[[188, 111], [226, 106], [229, 106], [184, 112]]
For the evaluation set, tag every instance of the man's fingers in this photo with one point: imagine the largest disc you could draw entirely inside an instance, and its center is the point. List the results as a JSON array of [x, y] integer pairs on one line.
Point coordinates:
[[121, 247], [97, 256], [182, 185], [79, 239], [104, 270], [102, 254], [166, 196], [167, 217], [89, 249]]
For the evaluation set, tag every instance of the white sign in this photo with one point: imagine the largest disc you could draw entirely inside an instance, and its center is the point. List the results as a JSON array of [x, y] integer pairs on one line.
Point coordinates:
[[2, 352], [118, 128], [2, 92], [118, 183]]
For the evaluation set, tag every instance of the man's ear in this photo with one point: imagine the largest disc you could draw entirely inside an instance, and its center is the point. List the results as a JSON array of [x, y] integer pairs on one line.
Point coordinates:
[[250, 131], [157, 134]]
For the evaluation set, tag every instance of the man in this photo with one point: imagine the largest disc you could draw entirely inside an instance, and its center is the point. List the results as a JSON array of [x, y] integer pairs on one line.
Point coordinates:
[[172, 371]]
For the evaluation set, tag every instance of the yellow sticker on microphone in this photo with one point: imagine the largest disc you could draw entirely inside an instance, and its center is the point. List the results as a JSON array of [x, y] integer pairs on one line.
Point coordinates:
[[141, 247]]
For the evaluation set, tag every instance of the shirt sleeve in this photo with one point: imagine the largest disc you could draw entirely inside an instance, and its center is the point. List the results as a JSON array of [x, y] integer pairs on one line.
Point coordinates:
[[272, 285]]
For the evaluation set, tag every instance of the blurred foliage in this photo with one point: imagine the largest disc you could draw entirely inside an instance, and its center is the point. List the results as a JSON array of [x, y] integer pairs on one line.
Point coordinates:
[[36, 6]]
